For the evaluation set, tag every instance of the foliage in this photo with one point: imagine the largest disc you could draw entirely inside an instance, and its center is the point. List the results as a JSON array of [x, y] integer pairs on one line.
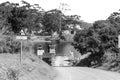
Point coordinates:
[[100, 38], [114, 19], [56, 21], [72, 20], [52, 21], [13, 74], [9, 45], [5, 11], [15, 17], [18, 17], [85, 25]]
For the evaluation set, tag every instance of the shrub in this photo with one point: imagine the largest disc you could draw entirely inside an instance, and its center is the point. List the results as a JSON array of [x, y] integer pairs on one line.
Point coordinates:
[[12, 74], [9, 45]]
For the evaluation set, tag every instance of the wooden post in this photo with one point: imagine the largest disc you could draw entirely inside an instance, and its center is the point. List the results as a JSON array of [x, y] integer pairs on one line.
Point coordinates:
[[119, 41], [21, 53]]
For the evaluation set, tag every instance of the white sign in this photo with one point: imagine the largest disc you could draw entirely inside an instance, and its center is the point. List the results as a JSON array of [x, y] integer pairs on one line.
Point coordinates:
[[52, 50], [22, 32], [119, 41], [21, 37], [40, 52]]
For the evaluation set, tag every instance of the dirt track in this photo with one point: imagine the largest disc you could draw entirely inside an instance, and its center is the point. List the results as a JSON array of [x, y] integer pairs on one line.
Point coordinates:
[[83, 73]]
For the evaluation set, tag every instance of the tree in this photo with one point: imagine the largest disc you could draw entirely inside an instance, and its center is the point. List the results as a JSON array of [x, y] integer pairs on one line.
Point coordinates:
[[114, 19], [5, 11], [100, 38], [52, 21], [21, 17], [56, 21]]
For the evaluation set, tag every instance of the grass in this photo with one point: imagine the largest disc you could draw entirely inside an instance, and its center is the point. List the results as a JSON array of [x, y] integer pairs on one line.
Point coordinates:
[[11, 69]]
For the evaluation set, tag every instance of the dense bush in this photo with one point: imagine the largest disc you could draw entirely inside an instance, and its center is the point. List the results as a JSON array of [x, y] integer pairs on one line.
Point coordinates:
[[13, 74], [102, 37], [9, 45]]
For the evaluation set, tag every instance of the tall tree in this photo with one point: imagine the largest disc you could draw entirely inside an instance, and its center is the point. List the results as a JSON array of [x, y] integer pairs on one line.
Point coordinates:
[[21, 17], [98, 39], [52, 21], [5, 12]]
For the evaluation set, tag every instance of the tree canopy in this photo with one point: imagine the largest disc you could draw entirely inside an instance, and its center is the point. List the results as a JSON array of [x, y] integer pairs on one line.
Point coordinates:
[[102, 37], [56, 21], [20, 17], [15, 17]]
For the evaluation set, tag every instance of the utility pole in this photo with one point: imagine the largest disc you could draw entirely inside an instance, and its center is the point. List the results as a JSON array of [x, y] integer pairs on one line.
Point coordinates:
[[119, 41], [62, 9], [21, 52]]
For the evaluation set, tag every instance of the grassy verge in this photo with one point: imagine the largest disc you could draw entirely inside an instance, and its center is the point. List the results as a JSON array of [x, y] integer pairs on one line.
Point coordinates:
[[30, 69]]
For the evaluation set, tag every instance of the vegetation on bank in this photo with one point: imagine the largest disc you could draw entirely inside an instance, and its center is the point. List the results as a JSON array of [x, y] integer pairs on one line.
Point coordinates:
[[102, 41], [32, 68]]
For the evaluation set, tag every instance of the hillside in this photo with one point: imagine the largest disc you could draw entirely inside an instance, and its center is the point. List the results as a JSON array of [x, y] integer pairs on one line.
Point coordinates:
[[30, 69], [85, 25]]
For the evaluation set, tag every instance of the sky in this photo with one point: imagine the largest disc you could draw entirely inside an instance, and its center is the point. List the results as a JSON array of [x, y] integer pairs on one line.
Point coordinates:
[[89, 10]]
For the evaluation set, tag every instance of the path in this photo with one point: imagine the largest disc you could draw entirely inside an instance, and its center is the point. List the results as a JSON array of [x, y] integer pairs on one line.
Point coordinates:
[[84, 73]]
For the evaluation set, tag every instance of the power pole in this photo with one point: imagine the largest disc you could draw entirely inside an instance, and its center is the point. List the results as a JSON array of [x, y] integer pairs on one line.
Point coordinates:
[[21, 52], [62, 9]]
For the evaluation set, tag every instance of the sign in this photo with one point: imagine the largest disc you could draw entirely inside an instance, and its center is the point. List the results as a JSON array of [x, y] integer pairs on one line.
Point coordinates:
[[52, 50], [21, 37], [22, 32], [119, 41], [40, 52]]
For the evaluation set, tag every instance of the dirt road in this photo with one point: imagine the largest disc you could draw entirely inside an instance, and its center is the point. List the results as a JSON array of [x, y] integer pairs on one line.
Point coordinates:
[[84, 73]]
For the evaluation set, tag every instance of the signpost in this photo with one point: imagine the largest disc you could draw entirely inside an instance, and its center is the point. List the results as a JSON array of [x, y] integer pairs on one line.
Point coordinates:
[[119, 41], [21, 38]]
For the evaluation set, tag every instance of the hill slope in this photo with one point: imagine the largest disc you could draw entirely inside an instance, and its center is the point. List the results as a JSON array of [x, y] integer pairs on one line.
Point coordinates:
[[30, 69]]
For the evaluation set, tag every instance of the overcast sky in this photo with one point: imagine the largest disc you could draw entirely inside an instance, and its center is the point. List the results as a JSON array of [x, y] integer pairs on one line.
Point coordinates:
[[89, 10]]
